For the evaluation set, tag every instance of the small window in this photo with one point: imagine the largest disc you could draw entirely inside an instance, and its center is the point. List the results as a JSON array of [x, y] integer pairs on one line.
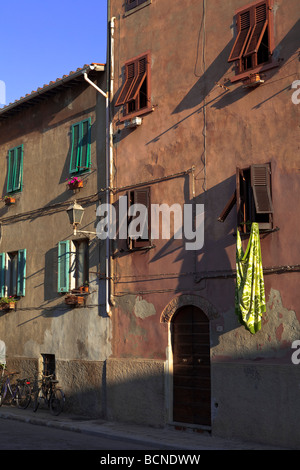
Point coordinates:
[[15, 169], [130, 4], [80, 150], [253, 198], [13, 273], [253, 45], [73, 264], [135, 93], [139, 222], [48, 364]]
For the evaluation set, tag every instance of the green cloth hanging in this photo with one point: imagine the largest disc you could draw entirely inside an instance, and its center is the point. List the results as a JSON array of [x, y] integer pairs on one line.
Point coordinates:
[[250, 301]]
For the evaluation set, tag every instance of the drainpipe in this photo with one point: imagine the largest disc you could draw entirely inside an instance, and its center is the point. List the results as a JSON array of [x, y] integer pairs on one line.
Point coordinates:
[[109, 160]]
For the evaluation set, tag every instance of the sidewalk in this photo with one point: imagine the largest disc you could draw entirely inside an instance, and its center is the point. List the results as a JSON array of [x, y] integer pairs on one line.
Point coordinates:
[[168, 438]]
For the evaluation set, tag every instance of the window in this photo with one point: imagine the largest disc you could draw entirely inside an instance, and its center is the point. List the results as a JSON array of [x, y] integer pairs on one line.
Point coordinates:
[[253, 45], [13, 273], [48, 364], [15, 169], [130, 4], [80, 150], [139, 226], [73, 264], [253, 198], [135, 93]]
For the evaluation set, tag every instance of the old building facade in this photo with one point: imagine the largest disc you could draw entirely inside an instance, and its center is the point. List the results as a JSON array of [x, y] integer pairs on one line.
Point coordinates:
[[48, 139], [202, 113]]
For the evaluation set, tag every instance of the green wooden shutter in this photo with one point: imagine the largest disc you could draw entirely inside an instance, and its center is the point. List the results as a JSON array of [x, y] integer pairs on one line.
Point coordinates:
[[21, 273], [10, 175], [85, 145], [2, 274], [18, 172], [63, 266], [75, 151]]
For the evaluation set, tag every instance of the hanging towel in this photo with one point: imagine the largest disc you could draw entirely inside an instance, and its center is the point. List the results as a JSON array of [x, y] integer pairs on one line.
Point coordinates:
[[250, 301]]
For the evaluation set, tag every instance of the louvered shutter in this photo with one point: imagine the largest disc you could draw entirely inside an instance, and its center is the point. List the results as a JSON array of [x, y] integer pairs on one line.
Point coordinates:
[[244, 29], [141, 67], [11, 165], [142, 196], [84, 163], [2, 274], [21, 273], [260, 24], [18, 168], [260, 182], [130, 77], [75, 148], [63, 266]]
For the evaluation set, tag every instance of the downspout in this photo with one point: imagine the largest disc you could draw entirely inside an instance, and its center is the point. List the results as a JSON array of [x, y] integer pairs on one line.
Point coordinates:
[[109, 161]]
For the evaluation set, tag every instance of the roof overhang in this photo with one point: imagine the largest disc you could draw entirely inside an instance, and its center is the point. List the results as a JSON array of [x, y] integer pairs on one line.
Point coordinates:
[[40, 94]]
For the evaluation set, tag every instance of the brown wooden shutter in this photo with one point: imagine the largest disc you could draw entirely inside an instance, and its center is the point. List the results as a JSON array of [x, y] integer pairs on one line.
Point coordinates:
[[227, 209], [244, 28], [261, 186], [259, 15], [140, 196], [130, 77], [141, 66]]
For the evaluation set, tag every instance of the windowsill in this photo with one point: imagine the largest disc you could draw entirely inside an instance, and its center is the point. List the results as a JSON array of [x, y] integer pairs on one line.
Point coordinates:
[[127, 117], [258, 69], [139, 7]]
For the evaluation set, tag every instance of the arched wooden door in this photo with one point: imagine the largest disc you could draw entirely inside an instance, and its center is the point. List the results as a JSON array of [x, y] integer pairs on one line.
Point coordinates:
[[191, 367]]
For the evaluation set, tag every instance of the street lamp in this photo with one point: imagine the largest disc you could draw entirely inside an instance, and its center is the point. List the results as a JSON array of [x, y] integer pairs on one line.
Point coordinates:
[[75, 213]]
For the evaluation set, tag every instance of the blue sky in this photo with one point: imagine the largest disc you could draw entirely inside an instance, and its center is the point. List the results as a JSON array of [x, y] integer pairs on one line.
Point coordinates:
[[44, 40]]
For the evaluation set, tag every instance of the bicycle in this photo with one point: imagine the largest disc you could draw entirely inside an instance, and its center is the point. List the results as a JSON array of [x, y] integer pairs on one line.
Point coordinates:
[[20, 392], [53, 396]]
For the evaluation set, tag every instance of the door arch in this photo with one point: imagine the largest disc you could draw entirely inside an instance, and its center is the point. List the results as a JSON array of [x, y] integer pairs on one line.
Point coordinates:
[[190, 338]]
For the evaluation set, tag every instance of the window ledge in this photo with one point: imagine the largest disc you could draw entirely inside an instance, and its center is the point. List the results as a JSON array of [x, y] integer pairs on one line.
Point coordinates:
[[262, 68], [139, 7]]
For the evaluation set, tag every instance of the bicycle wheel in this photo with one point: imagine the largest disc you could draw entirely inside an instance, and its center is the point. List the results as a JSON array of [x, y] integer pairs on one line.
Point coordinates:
[[37, 399], [57, 401], [23, 397]]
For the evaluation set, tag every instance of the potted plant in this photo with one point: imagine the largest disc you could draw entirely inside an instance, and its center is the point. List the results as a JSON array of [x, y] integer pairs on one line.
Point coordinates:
[[75, 183], [8, 200], [86, 287], [74, 300], [8, 303]]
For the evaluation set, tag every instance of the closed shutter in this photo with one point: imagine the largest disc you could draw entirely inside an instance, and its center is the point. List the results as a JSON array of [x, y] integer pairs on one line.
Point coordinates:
[[260, 24], [15, 169], [18, 168], [75, 148], [142, 196], [85, 145], [244, 29], [260, 182], [11, 165], [63, 266], [2, 274], [21, 273]]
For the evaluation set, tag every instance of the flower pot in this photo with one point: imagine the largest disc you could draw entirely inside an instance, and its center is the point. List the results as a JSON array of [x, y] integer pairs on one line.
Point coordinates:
[[9, 200], [75, 185], [9, 306], [74, 300]]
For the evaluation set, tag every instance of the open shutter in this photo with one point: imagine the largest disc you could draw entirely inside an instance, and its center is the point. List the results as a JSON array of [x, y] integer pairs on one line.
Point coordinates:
[[18, 173], [2, 274], [75, 148], [260, 24], [85, 145], [260, 182], [244, 29], [21, 273], [227, 209], [63, 266], [141, 76], [10, 175], [130, 77]]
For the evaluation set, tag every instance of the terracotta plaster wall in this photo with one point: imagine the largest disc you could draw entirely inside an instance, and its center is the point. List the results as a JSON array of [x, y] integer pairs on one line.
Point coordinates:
[[195, 121]]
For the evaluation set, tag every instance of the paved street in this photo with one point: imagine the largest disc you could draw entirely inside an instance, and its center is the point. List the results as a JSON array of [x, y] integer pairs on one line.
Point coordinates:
[[17, 435]]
